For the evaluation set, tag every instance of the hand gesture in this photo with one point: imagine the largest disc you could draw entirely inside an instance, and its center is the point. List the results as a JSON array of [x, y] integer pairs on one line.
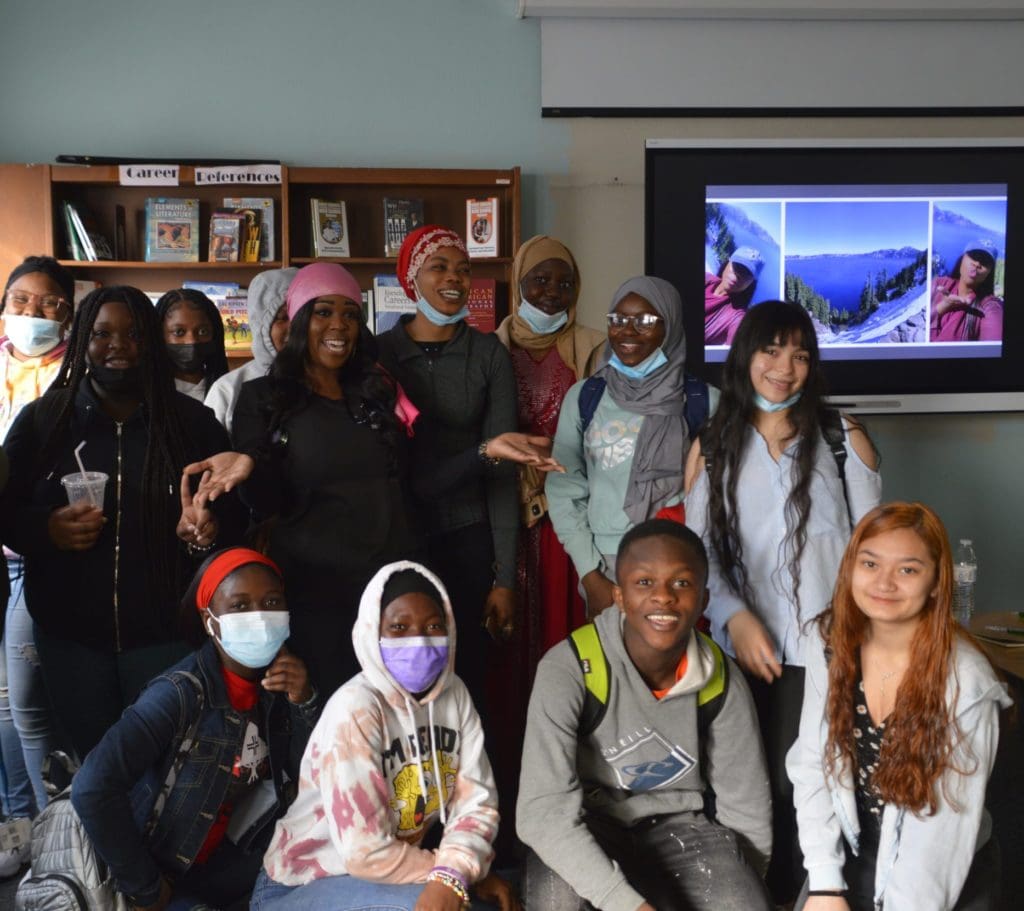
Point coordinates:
[[524, 449], [826, 903], [755, 650], [221, 473], [288, 674], [500, 613], [75, 527], [197, 525], [496, 891]]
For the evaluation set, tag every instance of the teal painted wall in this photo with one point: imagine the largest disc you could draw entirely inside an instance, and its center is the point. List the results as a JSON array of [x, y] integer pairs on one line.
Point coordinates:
[[413, 83]]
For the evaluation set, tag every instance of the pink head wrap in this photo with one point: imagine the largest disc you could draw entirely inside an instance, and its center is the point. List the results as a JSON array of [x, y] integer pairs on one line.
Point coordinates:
[[317, 280]]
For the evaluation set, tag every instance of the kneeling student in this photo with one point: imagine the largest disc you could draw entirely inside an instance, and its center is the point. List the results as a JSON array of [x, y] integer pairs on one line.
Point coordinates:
[[632, 719]]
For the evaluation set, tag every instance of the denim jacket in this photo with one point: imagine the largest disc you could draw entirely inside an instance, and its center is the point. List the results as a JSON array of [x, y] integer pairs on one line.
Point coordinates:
[[117, 786]]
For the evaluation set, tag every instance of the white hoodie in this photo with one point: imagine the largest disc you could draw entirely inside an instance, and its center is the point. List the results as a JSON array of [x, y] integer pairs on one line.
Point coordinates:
[[359, 810]]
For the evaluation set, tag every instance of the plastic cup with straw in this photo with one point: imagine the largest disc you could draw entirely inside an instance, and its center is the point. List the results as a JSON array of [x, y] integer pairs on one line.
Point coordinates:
[[85, 486]]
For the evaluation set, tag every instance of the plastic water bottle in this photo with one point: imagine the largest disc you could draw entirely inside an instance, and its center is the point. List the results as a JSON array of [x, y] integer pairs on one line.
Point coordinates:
[[965, 574]]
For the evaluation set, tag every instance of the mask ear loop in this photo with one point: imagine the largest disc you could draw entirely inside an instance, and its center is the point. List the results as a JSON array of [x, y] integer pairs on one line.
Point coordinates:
[[206, 625]]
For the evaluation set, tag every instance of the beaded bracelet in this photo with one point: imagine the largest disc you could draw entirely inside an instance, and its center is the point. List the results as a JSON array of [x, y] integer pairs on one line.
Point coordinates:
[[481, 451], [455, 883]]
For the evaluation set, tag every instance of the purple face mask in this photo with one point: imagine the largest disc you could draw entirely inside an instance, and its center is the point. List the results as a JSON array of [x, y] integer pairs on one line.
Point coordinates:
[[415, 661]]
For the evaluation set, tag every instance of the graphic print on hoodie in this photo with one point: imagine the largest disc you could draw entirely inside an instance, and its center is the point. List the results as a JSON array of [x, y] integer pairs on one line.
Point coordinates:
[[369, 780]]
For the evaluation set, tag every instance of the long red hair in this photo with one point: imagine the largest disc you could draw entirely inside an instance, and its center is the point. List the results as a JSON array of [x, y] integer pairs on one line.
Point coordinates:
[[922, 733]]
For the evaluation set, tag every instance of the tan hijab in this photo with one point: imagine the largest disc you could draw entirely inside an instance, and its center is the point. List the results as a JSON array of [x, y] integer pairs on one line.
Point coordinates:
[[578, 346]]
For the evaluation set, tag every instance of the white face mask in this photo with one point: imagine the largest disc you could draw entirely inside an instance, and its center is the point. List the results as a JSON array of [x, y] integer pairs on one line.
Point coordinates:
[[32, 335]]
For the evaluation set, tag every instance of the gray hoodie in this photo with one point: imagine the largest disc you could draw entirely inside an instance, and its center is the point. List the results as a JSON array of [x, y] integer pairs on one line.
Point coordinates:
[[643, 760], [266, 294]]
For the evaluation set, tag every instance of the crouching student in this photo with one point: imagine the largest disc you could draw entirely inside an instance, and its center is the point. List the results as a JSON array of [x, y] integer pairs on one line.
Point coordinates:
[[632, 719], [398, 748], [180, 796]]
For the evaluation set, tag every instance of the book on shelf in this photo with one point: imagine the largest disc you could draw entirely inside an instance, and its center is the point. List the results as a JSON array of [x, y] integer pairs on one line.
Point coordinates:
[[368, 308], [264, 206], [330, 227], [91, 242], [482, 226], [226, 237], [75, 250], [401, 216], [234, 313], [120, 233], [389, 303], [483, 304], [172, 230]]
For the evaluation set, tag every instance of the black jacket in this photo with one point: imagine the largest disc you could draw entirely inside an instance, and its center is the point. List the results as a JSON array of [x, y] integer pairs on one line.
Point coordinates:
[[73, 594]]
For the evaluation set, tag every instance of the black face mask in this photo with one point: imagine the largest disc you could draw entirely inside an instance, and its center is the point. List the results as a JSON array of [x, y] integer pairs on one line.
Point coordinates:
[[117, 381], [190, 358]]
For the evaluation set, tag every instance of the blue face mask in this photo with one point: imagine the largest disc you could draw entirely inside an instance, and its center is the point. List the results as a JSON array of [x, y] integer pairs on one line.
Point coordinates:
[[252, 638], [771, 407], [645, 368], [437, 317], [540, 322], [415, 661], [32, 335]]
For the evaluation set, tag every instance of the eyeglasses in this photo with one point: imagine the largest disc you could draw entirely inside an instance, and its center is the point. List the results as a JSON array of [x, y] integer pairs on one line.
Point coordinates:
[[50, 304], [643, 323]]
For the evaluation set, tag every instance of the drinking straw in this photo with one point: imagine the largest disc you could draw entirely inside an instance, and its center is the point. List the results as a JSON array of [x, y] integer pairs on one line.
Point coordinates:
[[81, 468]]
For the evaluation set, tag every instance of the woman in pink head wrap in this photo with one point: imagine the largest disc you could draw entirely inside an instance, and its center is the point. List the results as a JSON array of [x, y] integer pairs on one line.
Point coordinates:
[[323, 463]]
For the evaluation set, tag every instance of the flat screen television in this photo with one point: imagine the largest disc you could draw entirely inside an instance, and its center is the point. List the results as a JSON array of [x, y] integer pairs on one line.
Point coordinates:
[[903, 252]]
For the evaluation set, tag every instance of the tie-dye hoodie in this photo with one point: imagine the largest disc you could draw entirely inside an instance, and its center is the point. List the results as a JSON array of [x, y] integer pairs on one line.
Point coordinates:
[[360, 807]]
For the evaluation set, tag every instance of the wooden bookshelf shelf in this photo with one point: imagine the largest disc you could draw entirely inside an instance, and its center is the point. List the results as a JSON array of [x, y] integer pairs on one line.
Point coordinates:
[[156, 267]]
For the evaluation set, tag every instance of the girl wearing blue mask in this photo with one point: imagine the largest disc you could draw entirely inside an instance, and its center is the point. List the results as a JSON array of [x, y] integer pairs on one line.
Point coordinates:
[[246, 707], [626, 463], [765, 493], [397, 750]]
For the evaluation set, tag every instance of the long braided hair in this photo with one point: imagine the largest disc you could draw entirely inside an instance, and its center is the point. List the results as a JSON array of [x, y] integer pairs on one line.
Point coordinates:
[[167, 435], [728, 435], [216, 364]]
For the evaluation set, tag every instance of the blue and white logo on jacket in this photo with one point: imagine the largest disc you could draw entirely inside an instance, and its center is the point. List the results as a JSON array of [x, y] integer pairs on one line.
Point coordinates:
[[648, 762]]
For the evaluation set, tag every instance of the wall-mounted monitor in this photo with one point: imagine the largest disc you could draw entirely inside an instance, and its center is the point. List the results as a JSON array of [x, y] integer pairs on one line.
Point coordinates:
[[903, 253]]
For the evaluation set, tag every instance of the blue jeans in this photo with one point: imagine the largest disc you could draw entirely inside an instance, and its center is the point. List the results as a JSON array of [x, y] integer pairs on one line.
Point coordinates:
[[682, 861], [29, 702], [339, 893], [90, 688]]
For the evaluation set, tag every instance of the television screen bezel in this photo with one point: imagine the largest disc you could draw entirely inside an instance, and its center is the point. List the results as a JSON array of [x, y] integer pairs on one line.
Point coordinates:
[[674, 249]]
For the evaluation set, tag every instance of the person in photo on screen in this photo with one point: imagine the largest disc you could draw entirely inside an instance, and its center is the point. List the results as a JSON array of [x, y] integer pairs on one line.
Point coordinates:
[[898, 732], [765, 493], [965, 307], [728, 294]]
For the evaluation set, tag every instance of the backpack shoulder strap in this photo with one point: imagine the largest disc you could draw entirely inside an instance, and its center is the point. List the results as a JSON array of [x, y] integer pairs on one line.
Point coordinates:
[[711, 696], [590, 395], [586, 645], [835, 436], [695, 403], [184, 746]]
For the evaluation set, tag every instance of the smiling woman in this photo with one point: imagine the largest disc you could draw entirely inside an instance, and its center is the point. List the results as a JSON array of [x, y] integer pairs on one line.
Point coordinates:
[[322, 459]]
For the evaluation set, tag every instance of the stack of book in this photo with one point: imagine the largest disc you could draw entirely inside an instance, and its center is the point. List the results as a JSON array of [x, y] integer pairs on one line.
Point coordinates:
[[85, 242]]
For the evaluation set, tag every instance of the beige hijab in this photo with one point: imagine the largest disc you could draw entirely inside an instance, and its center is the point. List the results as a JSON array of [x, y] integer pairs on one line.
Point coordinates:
[[578, 346]]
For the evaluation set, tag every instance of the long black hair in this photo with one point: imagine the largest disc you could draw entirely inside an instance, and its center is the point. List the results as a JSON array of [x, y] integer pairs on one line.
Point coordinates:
[[216, 365], [167, 435], [369, 391], [728, 435]]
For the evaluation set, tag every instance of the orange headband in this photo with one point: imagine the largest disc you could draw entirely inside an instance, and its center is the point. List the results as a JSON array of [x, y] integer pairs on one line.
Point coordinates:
[[222, 566]]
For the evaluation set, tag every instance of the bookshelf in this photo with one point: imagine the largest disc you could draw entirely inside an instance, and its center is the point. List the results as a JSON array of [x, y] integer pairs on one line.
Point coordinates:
[[31, 219]]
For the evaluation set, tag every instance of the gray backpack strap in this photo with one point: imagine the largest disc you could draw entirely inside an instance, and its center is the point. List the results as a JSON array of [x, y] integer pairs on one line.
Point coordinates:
[[181, 754]]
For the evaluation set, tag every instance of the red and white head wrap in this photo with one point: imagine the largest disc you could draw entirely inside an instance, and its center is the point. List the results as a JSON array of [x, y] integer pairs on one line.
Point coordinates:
[[420, 245], [222, 566]]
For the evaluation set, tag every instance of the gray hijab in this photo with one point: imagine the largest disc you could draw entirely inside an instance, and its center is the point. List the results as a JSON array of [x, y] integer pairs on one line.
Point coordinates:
[[656, 474], [266, 294]]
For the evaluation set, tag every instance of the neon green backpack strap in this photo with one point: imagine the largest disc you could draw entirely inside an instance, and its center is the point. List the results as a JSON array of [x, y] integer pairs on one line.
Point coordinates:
[[711, 696], [586, 645]]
